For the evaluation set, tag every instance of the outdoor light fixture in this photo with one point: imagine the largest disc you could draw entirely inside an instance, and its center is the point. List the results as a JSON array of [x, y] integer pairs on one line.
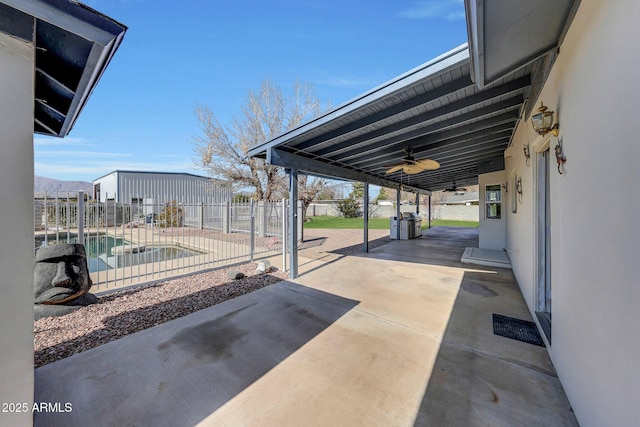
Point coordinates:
[[543, 122], [519, 185], [560, 157]]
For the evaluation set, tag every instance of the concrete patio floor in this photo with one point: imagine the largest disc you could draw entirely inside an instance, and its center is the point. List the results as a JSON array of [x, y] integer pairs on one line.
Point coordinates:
[[400, 336]]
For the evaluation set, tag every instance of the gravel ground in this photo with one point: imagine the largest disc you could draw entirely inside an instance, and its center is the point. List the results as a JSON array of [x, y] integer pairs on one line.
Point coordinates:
[[128, 311], [125, 312]]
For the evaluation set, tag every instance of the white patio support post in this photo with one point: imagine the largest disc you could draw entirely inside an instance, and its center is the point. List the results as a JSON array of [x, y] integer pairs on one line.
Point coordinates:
[[293, 221], [366, 217], [398, 214]]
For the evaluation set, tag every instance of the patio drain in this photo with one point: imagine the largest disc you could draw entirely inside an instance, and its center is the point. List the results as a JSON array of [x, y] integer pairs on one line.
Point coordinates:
[[517, 329]]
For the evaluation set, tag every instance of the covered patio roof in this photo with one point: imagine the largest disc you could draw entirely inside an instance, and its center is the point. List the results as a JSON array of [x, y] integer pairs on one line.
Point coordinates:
[[434, 109], [450, 109]]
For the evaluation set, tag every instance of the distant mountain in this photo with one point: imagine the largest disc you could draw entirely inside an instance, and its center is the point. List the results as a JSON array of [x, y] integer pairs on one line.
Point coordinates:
[[50, 186]]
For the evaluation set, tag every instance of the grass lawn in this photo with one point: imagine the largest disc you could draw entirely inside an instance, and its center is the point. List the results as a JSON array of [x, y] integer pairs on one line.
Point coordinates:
[[375, 223]]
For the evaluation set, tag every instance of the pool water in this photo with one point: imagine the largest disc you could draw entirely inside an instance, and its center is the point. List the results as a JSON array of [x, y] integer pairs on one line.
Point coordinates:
[[100, 256]]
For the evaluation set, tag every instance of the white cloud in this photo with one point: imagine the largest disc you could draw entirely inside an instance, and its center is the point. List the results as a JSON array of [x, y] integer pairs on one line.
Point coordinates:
[[326, 79], [451, 10], [87, 166], [40, 141], [80, 154]]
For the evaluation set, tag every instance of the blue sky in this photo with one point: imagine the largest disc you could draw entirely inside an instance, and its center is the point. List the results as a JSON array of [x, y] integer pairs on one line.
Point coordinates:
[[180, 54]]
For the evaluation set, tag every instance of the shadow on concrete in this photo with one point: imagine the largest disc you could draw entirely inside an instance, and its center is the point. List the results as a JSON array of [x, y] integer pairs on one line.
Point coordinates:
[[180, 372], [480, 378], [325, 258], [311, 243], [140, 319], [358, 250], [441, 246]]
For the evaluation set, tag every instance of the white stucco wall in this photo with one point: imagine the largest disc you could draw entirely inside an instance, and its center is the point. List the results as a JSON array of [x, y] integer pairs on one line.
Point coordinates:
[[492, 232], [593, 87], [16, 234]]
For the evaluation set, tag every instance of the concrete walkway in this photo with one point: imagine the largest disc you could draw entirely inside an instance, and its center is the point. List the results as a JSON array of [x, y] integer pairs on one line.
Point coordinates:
[[402, 336]]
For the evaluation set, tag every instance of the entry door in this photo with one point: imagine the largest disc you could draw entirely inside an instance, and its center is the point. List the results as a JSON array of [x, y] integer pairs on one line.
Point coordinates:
[[544, 243]]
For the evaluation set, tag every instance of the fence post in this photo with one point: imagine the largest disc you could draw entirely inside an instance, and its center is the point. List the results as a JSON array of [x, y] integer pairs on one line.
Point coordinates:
[[299, 224], [46, 220], [284, 234], [81, 216], [201, 222], [264, 218], [226, 217], [252, 229]]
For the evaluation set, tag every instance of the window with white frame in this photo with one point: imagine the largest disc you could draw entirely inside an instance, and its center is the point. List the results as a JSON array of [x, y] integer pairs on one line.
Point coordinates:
[[493, 201]]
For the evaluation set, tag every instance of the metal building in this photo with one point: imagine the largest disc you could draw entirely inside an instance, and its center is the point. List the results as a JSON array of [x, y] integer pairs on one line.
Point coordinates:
[[156, 188]]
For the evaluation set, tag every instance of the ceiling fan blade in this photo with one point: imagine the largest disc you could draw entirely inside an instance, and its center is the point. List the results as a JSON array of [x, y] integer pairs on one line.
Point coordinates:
[[428, 164], [395, 168], [412, 169]]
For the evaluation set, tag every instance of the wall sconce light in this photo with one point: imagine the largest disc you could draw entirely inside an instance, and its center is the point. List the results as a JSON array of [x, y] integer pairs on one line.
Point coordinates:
[[527, 154], [543, 122]]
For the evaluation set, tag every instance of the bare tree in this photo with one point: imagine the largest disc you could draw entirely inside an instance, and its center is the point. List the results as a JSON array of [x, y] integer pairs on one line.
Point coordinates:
[[266, 113], [308, 189]]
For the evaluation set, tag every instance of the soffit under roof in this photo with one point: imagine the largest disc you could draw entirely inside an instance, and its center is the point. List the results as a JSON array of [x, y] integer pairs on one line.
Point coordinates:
[[435, 109], [73, 44], [505, 35]]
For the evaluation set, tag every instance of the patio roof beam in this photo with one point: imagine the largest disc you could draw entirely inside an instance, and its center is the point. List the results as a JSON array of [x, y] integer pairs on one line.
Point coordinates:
[[493, 148], [448, 89], [469, 140], [499, 124], [430, 131], [477, 99], [462, 161], [454, 58], [314, 167]]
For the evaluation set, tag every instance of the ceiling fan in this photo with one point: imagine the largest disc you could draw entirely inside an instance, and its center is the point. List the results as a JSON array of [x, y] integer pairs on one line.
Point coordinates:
[[412, 166], [455, 189]]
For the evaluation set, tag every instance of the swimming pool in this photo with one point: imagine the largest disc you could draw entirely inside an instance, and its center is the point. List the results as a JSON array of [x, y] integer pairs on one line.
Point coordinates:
[[102, 256]]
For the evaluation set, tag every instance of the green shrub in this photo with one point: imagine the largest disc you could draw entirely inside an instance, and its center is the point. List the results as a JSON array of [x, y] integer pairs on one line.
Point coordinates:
[[171, 215], [349, 208]]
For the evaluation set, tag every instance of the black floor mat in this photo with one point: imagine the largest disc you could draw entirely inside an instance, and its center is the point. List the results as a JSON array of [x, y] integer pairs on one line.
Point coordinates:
[[516, 329]]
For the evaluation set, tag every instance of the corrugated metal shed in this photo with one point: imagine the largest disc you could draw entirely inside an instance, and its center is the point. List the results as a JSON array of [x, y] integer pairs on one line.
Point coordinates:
[[160, 188]]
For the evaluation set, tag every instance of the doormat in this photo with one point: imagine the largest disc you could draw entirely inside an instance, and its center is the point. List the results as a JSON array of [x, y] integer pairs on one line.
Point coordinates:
[[517, 329]]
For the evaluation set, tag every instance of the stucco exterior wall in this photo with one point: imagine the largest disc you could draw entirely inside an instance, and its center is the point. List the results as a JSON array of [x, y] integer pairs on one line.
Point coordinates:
[[593, 87], [16, 199], [492, 232]]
